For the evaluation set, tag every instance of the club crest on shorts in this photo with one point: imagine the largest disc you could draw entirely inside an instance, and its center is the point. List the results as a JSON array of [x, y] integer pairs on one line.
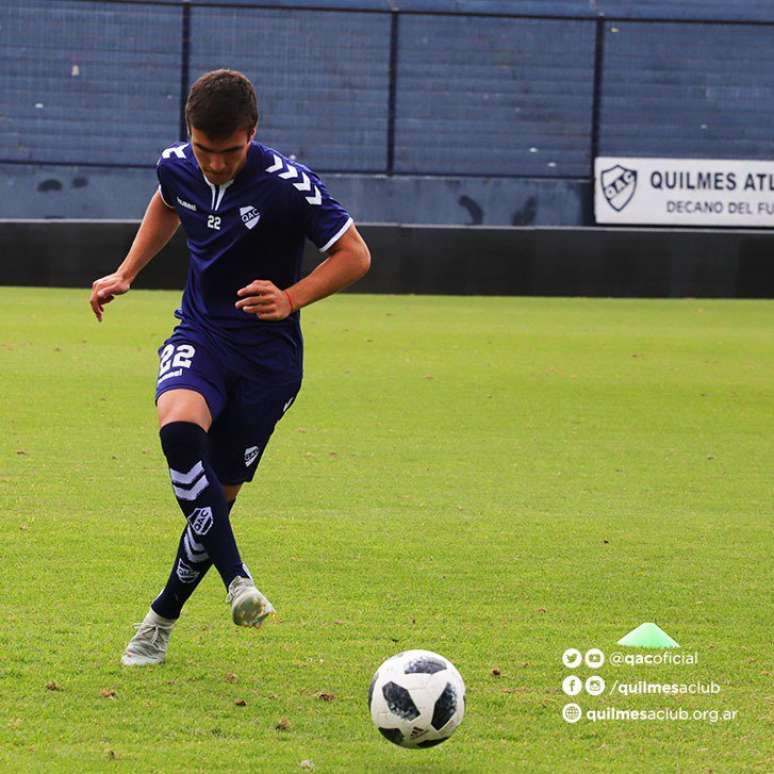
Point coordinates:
[[201, 520], [618, 186], [251, 455], [250, 216]]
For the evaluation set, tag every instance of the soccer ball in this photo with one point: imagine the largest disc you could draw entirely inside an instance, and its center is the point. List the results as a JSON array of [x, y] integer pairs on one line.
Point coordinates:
[[417, 698]]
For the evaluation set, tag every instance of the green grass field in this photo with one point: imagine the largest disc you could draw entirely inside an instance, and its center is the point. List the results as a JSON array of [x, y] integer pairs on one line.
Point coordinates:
[[496, 479]]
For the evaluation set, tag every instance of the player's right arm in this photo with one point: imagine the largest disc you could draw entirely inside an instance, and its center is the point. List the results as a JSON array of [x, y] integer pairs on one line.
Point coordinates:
[[157, 228]]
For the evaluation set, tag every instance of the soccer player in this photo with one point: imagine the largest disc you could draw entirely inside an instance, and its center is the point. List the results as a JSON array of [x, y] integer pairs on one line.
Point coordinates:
[[233, 365]]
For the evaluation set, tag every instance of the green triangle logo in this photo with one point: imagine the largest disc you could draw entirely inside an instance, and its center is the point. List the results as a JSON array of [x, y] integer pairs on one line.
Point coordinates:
[[648, 635]]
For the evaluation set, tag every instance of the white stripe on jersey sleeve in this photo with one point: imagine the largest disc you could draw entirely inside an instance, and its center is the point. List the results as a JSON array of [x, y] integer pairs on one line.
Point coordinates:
[[337, 236]]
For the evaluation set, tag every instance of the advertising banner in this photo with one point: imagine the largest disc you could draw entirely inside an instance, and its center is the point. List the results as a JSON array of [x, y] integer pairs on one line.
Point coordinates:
[[683, 192]]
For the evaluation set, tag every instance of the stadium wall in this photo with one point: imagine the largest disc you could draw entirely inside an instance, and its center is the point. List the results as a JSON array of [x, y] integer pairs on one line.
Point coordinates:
[[435, 259], [467, 112]]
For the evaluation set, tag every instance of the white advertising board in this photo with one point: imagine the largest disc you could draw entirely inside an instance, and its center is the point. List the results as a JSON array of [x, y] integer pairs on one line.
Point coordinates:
[[685, 192]]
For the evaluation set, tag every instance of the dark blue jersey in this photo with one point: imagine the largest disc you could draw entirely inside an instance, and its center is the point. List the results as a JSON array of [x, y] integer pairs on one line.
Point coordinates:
[[252, 227]]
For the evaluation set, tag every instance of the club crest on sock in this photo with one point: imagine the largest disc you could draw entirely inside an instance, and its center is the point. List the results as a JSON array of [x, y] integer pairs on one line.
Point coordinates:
[[186, 573], [201, 520]]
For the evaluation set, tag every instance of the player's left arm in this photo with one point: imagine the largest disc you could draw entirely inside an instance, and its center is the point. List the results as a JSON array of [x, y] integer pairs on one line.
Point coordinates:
[[347, 260]]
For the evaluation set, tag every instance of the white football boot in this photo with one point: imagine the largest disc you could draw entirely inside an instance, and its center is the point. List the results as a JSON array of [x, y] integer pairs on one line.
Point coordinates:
[[248, 606], [149, 645]]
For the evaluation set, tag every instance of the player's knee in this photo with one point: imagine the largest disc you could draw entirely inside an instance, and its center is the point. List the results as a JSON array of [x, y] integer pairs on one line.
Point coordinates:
[[183, 439], [186, 448], [183, 406]]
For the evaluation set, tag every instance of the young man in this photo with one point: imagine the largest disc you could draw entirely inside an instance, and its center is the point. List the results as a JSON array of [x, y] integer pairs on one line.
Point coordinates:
[[233, 365]]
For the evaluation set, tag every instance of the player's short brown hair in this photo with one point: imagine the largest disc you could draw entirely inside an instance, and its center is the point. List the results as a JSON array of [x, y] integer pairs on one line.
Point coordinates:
[[220, 103]]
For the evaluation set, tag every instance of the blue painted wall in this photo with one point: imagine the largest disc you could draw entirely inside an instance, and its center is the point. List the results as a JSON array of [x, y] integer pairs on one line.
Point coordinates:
[[322, 78], [493, 99], [485, 96], [87, 82], [688, 90]]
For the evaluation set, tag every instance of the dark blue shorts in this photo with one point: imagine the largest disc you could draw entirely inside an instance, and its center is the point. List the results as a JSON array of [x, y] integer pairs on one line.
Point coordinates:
[[244, 410]]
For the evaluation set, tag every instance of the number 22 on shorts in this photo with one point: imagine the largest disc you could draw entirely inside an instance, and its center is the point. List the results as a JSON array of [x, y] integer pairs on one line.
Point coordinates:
[[177, 357]]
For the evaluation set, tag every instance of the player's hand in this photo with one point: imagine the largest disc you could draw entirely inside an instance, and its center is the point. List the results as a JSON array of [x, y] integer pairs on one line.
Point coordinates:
[[105, 289], [265, 300]]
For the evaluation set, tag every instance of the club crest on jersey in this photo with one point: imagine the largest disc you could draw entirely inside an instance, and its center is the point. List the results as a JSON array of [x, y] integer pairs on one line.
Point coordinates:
[[250, 216], [201, 521], [618, 186], [251, 455]]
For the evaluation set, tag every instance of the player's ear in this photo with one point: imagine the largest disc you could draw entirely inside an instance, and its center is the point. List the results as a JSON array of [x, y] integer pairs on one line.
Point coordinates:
[[251, 135]]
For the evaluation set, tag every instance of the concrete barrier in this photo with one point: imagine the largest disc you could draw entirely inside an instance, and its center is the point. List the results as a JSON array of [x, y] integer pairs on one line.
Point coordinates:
[[442, 259]]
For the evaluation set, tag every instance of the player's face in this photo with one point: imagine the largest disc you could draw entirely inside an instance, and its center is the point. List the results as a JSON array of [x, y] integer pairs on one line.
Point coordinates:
[[221, 160]]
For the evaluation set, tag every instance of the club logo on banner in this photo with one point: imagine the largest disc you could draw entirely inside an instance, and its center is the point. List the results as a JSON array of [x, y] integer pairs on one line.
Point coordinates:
[[685, 192], [618, 186]]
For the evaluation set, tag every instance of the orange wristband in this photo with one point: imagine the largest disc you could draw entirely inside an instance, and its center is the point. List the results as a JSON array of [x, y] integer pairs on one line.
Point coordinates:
[[290, 301]]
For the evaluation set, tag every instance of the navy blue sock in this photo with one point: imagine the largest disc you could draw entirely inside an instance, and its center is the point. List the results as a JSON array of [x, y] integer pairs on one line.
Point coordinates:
[[203, 502], [190, 566]]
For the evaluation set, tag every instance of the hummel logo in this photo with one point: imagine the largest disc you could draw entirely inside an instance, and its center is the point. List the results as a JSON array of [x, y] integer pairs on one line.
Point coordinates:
[[187, 205], [291, 174], [188, 486], [251, 455], [250, 216], [179, 151]]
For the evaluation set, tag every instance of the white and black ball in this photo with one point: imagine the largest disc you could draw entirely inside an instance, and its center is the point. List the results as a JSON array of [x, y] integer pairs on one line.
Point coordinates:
[[417, 699]]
